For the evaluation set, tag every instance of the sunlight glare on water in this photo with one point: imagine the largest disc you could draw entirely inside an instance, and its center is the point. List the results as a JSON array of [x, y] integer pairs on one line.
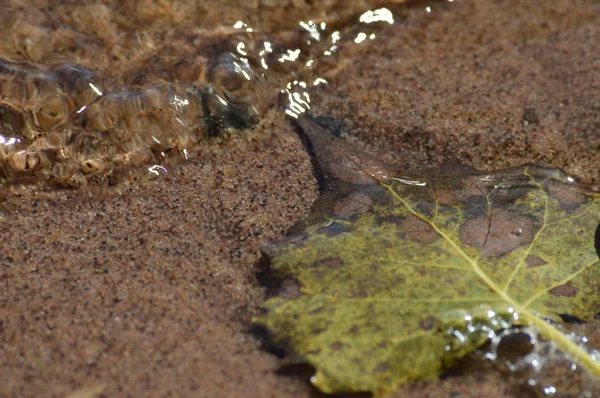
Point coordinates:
[[69, 125]]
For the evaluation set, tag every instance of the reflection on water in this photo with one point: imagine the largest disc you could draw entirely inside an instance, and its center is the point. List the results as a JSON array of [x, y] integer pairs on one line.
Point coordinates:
[[68, 124]]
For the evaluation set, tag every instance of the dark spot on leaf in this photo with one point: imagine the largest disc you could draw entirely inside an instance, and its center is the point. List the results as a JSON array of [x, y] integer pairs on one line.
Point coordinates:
[[336, 346], [567, 195], [317, 310], [355, 203], [428, 323], [289, 289], [359, 294], [382, 344], [534, 261], [331, 263], [448, 196], [389, 219], [498, 234], [566, 290], [381, 367], [418, 230], [354, 329], [448, 191]]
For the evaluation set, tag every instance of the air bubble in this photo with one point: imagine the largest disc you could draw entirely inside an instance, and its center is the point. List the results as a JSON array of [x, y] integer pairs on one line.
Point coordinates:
[[519, 350]]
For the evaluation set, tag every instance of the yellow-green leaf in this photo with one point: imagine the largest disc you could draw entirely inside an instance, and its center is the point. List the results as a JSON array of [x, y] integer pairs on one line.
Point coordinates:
[[396, 276]]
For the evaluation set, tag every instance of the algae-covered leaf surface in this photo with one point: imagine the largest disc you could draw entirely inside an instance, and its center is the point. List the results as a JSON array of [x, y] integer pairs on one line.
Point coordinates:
[[396, 276]]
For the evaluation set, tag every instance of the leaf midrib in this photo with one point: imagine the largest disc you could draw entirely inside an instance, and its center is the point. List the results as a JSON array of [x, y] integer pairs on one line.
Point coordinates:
[[562, 341]]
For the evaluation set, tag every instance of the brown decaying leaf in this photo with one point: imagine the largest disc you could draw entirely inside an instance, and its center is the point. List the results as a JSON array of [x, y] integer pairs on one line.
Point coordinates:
[[397, 275]]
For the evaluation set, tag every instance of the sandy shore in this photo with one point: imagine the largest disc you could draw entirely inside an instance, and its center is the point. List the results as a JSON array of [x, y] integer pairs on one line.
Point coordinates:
[[148, 288]]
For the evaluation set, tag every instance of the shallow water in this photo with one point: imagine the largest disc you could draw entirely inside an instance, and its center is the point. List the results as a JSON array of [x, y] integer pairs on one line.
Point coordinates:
[[366, 273], [155, 103], [68, 121]]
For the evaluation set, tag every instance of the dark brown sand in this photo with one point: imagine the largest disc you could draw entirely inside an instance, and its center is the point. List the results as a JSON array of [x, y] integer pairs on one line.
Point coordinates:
[[148, 288], [490, 84]]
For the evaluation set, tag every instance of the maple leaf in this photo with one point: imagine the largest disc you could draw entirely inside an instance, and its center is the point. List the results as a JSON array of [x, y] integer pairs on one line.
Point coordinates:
[[396, 276]]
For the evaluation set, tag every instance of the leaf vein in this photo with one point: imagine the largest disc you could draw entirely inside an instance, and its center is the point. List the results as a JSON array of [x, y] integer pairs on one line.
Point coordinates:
[[537, 295]]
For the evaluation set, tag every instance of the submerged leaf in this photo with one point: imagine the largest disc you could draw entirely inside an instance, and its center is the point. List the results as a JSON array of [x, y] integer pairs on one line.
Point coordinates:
[[395, 276]]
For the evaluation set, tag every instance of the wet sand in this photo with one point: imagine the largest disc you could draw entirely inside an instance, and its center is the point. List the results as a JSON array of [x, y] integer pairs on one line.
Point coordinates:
[[148, 288]]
